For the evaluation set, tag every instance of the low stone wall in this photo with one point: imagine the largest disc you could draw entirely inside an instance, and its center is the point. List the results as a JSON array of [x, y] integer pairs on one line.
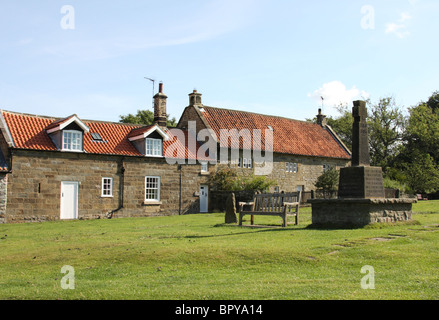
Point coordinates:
[[359, 212], [3, 196]]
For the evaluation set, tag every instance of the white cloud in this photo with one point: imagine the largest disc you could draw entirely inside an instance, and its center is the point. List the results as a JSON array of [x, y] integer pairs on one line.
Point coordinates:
[[399, 28], [335, 93]]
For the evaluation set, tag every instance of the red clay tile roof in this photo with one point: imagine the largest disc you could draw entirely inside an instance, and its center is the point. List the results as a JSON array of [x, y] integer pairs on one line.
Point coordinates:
[[289, 136], [29, 132], [138, 131]]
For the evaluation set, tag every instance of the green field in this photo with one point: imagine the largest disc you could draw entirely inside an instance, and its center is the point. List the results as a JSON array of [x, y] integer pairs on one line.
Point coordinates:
[[198, 257]]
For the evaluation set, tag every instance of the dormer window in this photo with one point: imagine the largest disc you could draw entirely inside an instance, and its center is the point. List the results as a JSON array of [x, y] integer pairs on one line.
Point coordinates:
[[68, 134], [154, 147], [149, 140], [72, 140]]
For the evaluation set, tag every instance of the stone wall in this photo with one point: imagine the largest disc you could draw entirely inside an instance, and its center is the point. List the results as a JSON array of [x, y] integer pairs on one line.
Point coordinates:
[[308, 170], [34, 186], [359, 212], [191, 114], [3, 196]]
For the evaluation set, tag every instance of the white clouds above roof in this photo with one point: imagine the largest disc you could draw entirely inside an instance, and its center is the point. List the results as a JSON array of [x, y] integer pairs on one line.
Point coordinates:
[[335, 93]]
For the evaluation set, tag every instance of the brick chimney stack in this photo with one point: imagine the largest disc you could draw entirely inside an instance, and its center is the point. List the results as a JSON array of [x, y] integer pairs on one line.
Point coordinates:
[[160, 116], [321, 118]]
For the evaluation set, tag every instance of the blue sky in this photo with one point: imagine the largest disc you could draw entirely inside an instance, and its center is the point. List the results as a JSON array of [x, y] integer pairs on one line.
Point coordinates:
[[275, 57]]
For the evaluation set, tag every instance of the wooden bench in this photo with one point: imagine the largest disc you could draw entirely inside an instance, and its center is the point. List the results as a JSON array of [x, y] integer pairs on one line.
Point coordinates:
[[272, 204]]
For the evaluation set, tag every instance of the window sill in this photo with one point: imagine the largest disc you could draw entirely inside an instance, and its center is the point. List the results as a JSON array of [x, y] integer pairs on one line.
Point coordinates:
[[152, 203], [106, 196], [204, 173], [75, 151], [152, 156]]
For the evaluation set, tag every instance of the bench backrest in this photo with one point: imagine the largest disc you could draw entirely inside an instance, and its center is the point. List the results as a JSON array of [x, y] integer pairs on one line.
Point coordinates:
[[274, 202]]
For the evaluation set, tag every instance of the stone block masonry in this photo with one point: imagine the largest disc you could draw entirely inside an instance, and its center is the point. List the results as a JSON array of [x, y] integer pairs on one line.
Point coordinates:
[[34, 186], [359, 212], [3, 196]]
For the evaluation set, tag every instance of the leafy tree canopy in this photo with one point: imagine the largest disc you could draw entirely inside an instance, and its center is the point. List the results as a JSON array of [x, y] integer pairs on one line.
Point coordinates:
[[145, 117]]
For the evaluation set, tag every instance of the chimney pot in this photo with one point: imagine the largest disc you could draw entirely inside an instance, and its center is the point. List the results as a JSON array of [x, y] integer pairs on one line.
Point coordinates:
[[161, 87]]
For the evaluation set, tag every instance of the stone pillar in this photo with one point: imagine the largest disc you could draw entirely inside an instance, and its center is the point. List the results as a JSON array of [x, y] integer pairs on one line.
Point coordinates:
[[360, 136], [360, 180]]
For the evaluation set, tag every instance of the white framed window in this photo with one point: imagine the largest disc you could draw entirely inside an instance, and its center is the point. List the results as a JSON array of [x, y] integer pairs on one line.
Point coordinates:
[[294, 169], [249, 163], [291, 167], [204, 167], [326, 167], [240, 163], [107, 187], [152, 188], [244, 161], [72, 140], [153, 147]]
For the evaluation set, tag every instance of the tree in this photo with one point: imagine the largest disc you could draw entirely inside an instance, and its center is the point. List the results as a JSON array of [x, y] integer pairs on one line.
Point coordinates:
[[433, 101], [419, 157], [145, 117], [386, 126], [342, 125], [422, 131], [328, 182], [227, 179], [422, 173]]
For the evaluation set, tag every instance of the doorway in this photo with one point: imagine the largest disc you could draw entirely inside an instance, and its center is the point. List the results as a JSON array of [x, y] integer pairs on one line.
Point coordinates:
[[69, 200], [204, 198]]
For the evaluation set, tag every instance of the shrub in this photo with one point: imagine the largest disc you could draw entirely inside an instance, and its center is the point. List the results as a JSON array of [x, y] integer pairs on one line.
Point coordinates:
[[227, 179], [328, 181]]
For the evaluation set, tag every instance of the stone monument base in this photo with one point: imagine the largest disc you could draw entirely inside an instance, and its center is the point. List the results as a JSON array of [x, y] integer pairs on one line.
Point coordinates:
[[359, 212], [361, 182]]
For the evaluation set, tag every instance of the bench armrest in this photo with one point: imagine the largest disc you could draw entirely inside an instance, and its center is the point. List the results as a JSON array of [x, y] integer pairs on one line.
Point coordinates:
[[291, 203], [242, 204]]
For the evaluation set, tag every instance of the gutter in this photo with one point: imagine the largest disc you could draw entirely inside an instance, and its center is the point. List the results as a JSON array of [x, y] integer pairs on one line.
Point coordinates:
[[121, 190]]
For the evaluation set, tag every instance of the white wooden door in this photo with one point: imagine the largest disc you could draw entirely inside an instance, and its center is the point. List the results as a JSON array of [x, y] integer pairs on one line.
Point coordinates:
[[204, 199], [69, 200]]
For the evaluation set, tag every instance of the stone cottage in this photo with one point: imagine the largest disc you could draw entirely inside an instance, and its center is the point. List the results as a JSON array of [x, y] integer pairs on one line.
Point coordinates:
[[301, 150], [71, 168]]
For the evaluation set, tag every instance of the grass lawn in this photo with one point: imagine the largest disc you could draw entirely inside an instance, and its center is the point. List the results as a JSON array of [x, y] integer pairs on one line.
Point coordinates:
[[198, 257]]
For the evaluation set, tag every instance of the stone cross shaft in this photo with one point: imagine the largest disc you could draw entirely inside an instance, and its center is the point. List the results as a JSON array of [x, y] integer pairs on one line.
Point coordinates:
[[360, 137]]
